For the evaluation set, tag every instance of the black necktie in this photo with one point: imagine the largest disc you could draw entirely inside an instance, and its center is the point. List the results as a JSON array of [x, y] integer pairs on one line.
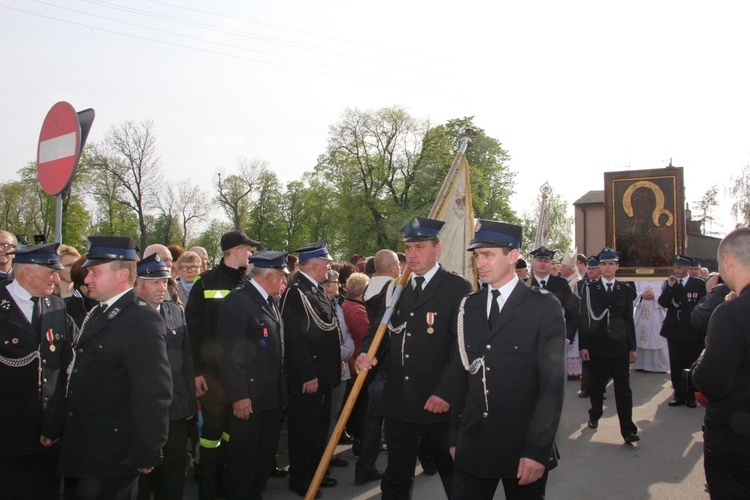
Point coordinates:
[[418, 286], [272, 303], [609, 288], [494, 308], [36, 315], [543, 283]]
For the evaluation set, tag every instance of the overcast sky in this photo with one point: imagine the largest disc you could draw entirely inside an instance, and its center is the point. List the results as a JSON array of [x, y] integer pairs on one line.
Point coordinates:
[[571, 89]]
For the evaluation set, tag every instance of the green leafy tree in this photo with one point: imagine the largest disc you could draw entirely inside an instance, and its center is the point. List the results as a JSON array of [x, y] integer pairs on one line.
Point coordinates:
[[705, 208], [492, 181], [210, 239], [265, 218]]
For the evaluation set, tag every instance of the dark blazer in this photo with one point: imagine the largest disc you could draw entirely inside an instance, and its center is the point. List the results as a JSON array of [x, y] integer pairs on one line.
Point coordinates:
[[119, 393], [524, 355], [180, 355], [26, 412], [560, 288], [418, 365], [612, 336], [679, 303], [250, 358], [721, 374], [702, 312], [311, 352]]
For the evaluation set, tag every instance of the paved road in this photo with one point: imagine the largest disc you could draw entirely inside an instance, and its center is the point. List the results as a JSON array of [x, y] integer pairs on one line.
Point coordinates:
[[666, 464]]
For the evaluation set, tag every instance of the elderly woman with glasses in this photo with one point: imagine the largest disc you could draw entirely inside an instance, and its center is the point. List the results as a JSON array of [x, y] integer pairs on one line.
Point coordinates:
[[188, 266]]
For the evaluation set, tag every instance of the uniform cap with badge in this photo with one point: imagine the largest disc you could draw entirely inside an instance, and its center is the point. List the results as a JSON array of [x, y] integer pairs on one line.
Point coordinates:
[[47, 255], [696, 264], [105, 249], [315, 250], [492, 233], [682, 260], [153, 268], [608, 255], [234, 239], [592, 262], [543, 253], [270, 259], [422, 229]]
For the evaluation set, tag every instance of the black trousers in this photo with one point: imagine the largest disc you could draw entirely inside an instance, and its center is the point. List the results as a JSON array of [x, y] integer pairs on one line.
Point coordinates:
[[309, 418], [252, 451], [403, 443], [168, 479], [469, 487], [617, 369], [104, 488], [727, 472], [682, 355], [30, 476], [215, 412]]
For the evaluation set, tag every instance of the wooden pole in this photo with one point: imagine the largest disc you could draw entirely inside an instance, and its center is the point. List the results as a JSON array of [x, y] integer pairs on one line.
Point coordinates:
[[356, 389]]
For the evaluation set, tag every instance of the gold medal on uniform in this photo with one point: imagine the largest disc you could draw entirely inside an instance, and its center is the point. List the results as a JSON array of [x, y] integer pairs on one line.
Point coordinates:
[[430, 322], [51, 339], [52, 347]]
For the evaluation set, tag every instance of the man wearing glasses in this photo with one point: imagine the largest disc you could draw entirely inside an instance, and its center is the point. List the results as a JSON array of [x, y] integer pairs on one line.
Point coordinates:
[[8, 243]]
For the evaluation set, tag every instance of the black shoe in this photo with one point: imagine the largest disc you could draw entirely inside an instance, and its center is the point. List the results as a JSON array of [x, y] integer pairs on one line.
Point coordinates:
[[583, 394], [339, 462], [429, 468], [276, 472], [676, 402], [631, 438], [328, 482], [346, 439], [303, 491], [361, 479], [690, 403], [593, 424], [356, 447]]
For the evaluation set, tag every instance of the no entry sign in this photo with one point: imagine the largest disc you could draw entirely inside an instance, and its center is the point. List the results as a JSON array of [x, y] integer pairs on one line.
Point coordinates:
[[63, 135]]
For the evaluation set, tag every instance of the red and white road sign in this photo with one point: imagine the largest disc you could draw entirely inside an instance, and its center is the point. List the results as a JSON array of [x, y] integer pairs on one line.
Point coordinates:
[[59, 148]]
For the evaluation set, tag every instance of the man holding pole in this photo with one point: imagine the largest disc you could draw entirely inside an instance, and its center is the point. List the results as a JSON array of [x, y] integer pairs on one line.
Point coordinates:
[[417, 394]]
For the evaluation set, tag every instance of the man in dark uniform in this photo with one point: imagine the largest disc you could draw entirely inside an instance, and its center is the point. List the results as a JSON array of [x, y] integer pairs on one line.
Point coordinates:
[[607, 341], [679, 295], [168, 479], [120, 385], [417, 394], [313, 364], [509, 376], [592, 274], [721, 374], [35, 350], [202, 313], [250, 336], [558, 286]]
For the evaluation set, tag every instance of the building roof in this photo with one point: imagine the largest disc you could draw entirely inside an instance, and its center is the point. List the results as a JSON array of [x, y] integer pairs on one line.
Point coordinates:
[[590, 197]]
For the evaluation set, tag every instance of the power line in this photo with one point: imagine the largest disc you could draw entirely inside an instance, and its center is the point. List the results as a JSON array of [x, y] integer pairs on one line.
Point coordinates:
[[272, 40], [397, 84]]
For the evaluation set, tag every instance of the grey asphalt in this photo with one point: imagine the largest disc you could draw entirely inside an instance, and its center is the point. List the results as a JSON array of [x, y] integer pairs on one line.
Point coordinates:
[[596, 464]]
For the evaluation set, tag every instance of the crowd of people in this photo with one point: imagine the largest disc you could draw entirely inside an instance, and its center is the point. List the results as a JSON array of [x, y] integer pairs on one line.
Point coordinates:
[[117, 368]]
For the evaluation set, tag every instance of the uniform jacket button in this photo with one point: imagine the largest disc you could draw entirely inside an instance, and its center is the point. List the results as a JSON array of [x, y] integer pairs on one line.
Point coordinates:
[[488, 347], [406, 356], [406, 378], [485, 414]]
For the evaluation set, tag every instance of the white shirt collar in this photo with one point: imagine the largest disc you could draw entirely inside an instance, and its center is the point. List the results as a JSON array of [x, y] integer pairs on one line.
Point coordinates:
[[114, 299], [259, 288], [427, 276], [309, 278], [22, 298], [539, 280]]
